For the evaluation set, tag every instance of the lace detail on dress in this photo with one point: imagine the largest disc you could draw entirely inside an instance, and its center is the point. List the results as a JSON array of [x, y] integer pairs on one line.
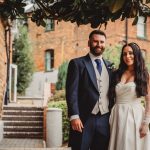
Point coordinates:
[[147, 109]]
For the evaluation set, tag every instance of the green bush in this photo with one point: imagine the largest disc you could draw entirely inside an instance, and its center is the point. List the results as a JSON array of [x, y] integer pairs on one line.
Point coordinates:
[[22, 57], [62, 73], [63, 106], [148, 64], [59, 95], [112, 53]]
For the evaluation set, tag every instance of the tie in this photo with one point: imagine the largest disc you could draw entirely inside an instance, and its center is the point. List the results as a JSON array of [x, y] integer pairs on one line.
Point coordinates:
[[99, 66]]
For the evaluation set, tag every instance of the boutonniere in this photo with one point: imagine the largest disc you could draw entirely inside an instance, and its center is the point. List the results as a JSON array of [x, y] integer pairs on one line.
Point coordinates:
[[111, 67]]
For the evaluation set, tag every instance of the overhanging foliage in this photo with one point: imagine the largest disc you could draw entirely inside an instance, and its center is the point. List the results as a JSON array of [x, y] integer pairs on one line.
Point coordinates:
[[95, 12]]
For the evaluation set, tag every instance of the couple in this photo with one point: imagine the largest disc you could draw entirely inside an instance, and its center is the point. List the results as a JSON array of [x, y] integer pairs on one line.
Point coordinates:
[[91, 91]]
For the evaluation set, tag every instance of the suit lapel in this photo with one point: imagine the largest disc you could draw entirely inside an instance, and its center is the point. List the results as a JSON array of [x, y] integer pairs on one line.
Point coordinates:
[[107, 66], [90, 69]]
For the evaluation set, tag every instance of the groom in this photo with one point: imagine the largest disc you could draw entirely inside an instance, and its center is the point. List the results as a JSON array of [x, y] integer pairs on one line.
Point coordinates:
[[86, 94]]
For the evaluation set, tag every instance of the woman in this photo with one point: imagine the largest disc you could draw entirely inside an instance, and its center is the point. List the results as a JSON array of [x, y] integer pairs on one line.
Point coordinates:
[[129, 120]]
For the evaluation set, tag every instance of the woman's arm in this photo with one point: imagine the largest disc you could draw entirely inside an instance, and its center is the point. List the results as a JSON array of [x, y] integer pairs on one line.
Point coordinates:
[[146, 121]]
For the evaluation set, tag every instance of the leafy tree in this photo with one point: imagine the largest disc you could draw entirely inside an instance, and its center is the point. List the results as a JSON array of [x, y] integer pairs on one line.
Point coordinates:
[[94, 12], [112, 53], [147, 63], [62, 73], [22, 57]]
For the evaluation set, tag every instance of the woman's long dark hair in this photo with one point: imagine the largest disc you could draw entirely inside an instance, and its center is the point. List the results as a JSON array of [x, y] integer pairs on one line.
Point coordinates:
[[141, 72]]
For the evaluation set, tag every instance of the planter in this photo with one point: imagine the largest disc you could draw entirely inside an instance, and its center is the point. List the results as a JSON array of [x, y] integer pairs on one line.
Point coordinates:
[[54, 127]]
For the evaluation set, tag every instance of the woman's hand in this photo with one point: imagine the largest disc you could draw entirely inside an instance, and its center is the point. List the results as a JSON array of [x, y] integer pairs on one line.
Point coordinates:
[[143, 130], [77, 125]]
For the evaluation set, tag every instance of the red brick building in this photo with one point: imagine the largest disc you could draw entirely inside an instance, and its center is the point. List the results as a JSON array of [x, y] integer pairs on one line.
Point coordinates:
[[67, 40], [62, 41]]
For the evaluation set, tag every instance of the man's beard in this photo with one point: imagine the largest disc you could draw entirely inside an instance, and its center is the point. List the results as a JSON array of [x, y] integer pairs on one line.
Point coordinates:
[[94, 51]]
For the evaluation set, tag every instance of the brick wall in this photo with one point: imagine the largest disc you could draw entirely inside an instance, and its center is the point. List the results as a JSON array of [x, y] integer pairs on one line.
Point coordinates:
[[69, 41], [65, 41], [116, 33], [2, 65]]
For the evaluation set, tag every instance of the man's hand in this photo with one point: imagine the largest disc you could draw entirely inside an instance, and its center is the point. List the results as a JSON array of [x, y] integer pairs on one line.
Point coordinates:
[[143, 130], [77, 125]]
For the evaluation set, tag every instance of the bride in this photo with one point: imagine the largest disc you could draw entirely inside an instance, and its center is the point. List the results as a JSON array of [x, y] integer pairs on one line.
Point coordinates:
[[129, 120]]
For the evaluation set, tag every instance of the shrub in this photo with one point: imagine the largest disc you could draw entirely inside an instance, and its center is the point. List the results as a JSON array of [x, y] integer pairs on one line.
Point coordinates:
[[148, 64], [62, 73], [112, 53], [59, 95], [22, 57]]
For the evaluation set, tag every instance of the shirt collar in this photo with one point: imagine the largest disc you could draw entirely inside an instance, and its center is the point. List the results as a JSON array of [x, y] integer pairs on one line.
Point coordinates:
[[95, 57]]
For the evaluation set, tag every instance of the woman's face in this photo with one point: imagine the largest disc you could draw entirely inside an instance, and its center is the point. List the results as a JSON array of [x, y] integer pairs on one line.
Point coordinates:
[[128, 56]]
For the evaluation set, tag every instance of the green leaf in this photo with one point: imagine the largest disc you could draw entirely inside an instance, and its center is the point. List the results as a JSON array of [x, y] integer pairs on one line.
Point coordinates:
[[42, 22], [115, 5], [62, 73], [21, 10], [145, 19], [77, 2], [135, 20], [116, 16]]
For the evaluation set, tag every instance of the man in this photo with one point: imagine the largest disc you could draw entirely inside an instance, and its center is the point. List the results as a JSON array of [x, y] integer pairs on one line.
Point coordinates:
[[86, 94]]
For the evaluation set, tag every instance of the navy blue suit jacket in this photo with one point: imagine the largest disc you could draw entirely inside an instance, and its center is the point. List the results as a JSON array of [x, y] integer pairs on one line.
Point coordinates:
[[81, 87]]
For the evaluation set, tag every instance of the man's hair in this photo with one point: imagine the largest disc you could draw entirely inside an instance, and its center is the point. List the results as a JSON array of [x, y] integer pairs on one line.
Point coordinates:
[[97, 32]]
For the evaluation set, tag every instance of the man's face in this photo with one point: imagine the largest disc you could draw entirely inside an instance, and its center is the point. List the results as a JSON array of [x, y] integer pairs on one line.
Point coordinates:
[[97, 44]]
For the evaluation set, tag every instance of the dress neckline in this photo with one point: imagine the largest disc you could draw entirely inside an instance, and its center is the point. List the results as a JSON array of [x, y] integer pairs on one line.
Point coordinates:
[[127, 82]]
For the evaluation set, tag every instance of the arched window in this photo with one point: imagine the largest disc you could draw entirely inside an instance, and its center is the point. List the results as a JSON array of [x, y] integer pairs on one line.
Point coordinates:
[[49, 59]]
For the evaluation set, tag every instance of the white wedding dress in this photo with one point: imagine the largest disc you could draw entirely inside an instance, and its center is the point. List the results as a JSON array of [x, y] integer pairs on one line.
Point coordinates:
[[125, 120]]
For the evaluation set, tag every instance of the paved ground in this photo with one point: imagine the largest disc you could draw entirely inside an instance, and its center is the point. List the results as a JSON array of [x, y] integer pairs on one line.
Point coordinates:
[[26, 144], [21, 143], [35, 149]]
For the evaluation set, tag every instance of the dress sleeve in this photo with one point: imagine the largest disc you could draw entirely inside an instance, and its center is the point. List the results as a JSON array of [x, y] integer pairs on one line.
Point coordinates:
[[147, 106]]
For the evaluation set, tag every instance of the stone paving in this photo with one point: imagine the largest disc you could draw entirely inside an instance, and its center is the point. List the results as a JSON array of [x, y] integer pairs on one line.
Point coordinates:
[[26, 144], [35, 149], [21, 143]]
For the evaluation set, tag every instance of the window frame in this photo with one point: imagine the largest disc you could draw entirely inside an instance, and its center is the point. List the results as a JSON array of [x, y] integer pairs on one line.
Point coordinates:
[[49, 52], [51, 23], [144, 36]]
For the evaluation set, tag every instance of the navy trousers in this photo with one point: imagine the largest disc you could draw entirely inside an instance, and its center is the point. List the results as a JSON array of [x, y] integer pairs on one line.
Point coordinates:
[[95, 135]]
